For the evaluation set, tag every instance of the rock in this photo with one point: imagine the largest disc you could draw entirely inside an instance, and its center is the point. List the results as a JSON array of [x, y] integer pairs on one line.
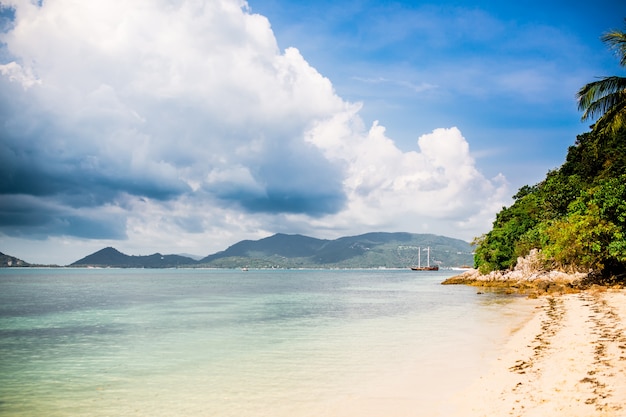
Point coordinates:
[[528, 276]]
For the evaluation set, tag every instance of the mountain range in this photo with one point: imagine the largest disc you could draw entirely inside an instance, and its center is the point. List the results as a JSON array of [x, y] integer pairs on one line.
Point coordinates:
[[371, 250]]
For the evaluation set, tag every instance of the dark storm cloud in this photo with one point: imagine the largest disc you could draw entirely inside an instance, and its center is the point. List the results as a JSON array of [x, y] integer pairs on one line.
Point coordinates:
[[279, 201], [46, 156], [68, 166], [47, 172], [38, 218], [291, 177]]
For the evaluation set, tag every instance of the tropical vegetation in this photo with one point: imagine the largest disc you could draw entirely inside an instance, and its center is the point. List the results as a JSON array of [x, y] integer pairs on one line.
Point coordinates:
[[605, 99], [576, 216]]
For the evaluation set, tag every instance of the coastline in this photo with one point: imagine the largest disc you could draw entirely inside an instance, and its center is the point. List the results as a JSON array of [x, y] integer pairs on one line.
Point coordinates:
[[568, 360], [531, 278]]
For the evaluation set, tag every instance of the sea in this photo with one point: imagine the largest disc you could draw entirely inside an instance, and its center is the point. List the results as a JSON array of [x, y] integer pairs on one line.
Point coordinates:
[[221, 343]]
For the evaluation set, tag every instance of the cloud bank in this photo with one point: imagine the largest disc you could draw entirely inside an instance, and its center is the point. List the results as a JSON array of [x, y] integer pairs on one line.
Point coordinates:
[[180, 125]]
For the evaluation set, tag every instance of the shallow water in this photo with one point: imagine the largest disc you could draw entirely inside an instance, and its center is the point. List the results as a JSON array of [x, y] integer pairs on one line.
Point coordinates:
[[111, 342]]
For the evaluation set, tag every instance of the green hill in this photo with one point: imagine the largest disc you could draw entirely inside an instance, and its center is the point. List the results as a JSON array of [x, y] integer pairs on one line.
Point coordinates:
[[110, 257], [371, 250]]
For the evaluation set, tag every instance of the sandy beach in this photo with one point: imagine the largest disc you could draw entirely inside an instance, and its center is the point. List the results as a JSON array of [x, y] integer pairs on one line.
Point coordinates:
[[568, 360]]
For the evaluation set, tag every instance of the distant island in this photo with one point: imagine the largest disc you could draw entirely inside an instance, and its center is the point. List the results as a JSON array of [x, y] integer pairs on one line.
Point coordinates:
[[371, 250], [7, 261]]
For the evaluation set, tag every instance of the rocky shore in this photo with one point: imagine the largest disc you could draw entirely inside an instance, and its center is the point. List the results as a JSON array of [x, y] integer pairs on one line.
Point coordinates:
[[530, 277]]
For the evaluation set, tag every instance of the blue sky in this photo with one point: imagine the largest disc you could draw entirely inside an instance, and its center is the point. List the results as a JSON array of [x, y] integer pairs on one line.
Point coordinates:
[[505, 73], [185, 126]]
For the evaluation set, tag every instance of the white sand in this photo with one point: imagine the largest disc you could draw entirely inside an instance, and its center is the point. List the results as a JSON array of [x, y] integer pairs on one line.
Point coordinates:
[[569, 360]]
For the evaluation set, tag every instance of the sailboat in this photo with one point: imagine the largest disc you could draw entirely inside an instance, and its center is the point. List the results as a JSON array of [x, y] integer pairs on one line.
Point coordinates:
[[419, 266]]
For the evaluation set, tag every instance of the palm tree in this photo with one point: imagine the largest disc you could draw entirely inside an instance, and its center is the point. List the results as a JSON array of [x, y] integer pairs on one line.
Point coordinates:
[[605, 99]]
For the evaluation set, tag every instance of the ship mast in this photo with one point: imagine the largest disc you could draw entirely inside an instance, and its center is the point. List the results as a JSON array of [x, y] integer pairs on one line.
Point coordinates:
[[419, 257]]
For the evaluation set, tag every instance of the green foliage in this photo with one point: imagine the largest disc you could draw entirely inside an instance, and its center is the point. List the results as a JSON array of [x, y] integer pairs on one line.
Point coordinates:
[[510, 235], [576, 216], [581, 240], [592, 235]]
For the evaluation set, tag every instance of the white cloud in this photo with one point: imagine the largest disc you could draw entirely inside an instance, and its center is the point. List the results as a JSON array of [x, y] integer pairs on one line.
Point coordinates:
[[184, 123], [412, 87], [15, 73], [437, 184]]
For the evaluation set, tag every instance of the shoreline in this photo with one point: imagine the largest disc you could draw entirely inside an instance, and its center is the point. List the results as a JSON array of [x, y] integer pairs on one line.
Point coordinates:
[[568, 360], [533, 283], [530, 277]]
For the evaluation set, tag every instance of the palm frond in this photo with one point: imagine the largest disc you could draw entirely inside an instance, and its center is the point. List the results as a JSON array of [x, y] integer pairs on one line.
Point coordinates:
[[604, 104], [613, 120], [605, 99], [617, 40], [599, 95]]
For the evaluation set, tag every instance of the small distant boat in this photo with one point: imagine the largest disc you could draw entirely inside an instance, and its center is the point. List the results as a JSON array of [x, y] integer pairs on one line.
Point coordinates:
[[419, 266], [461, 268], [425, 268]]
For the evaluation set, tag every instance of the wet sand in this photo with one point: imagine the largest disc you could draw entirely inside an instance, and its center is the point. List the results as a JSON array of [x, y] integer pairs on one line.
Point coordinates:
[[568, 360]]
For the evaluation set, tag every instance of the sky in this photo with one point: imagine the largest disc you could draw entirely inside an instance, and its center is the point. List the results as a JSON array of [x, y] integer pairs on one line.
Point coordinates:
[[185, 126]]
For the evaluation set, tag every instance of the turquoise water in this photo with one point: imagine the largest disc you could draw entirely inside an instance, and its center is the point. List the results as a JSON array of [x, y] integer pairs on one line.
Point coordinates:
[[114, 342]]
